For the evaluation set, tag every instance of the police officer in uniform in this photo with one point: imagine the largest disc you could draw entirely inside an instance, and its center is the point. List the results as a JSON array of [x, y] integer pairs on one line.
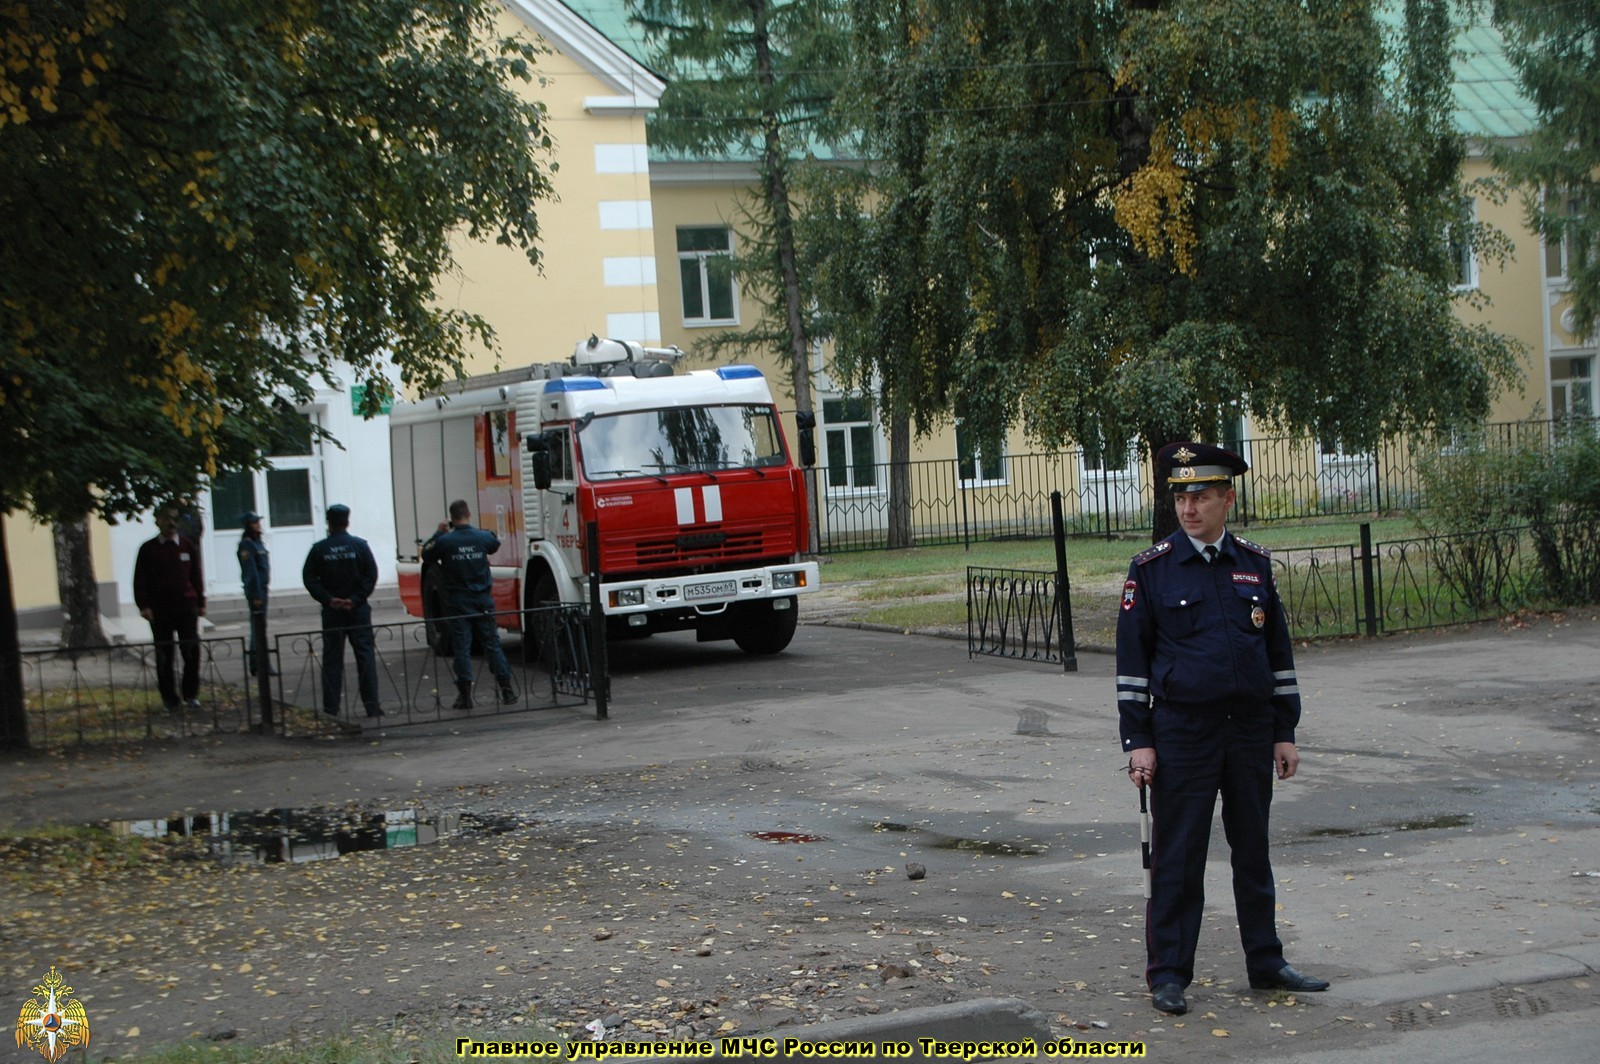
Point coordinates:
[[462, 554], [340, 572], [255, 573], [1207, 703]]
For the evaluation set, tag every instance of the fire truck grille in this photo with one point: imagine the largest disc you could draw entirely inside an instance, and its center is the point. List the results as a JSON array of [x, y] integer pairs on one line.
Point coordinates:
[[696, 548]]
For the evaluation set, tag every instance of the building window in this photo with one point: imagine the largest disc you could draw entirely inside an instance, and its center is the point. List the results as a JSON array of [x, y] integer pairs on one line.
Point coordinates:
[[1463, 263], [496, 429], [705, 266], [1559, 258], [980, 457], [852, 460], [1572, 387], [287, 486]]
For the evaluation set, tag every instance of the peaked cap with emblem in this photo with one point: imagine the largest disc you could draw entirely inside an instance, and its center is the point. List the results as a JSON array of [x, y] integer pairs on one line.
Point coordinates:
[[1196, 466]]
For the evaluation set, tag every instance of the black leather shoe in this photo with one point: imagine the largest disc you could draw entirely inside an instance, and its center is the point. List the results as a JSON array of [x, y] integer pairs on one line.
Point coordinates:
[[1168, 997], [1286, 978]]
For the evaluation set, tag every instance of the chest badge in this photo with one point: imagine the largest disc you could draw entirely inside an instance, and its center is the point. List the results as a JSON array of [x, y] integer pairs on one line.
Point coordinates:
[[1258, 617]]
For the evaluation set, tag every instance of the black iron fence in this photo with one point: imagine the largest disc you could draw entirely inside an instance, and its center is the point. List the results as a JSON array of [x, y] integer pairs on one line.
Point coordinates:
[[1014, 613], [1343, 589], [110, 693], [947, 501]]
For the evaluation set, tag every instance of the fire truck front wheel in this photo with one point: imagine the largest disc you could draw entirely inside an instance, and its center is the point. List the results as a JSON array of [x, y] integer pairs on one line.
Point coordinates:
[[764, 629], [536, 633]]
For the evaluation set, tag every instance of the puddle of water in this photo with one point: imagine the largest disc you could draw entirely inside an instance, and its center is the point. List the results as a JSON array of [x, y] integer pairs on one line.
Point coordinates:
[[934, 840], [1433, 823], [278, 836]]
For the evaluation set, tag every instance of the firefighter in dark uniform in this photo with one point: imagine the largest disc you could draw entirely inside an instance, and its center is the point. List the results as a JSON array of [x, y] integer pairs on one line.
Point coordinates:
[[462, 554], [255, 574], [1207, 703], [340, 572]]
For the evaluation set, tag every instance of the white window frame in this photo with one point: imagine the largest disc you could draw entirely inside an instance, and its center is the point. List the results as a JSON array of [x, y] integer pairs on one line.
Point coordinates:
[[1567, 408], [1464, 257], [701, 258], [846, 431], [982, 477]]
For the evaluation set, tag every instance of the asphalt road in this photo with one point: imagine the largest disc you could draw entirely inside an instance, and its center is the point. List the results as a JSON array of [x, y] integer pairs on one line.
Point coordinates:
[[1434, 854]]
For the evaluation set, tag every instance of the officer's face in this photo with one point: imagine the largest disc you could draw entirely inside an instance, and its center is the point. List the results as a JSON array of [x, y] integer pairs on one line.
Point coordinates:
[[1203, 513]]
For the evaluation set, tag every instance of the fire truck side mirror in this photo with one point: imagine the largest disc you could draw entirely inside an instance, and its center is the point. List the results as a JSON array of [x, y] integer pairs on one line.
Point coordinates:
[[806, 422], [539, 459]]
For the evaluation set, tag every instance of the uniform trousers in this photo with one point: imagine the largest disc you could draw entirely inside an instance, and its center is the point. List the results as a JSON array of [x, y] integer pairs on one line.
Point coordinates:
[[1198, 756], [473, 621], [356, 626]]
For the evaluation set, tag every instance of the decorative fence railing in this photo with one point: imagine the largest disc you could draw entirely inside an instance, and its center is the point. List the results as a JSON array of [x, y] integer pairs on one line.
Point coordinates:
[[1290, 477], [101, 694], [1014, 613], [1342, 589]]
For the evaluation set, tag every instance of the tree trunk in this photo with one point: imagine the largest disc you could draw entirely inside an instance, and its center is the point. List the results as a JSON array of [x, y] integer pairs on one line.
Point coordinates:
[[80, 594], [13, 714], [900, 534], [774, 171], [1165, 520]]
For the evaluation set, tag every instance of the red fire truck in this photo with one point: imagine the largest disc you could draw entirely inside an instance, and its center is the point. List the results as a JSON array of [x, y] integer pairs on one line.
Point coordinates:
[[700, 510]]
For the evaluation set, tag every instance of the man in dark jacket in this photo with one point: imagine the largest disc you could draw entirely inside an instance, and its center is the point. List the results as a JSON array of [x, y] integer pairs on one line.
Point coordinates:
[[462, 554], [1207, 703], [170, 593], [340, 572], [255, 574]]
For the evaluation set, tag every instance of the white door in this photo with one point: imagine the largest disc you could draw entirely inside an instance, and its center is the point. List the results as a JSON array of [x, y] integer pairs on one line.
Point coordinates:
[[290, 498]]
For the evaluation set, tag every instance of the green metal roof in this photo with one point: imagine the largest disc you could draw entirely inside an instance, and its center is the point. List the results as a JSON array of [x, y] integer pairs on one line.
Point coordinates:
[[1489, 102], [610, 17]]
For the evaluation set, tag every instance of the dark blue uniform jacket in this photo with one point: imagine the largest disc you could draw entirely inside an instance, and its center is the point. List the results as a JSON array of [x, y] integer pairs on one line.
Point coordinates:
[[341, 566], [255, 568], [1206, 638], [463, 555]]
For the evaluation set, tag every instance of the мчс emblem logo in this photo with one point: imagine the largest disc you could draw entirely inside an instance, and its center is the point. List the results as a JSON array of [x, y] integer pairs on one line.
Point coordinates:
[[54, 1025]]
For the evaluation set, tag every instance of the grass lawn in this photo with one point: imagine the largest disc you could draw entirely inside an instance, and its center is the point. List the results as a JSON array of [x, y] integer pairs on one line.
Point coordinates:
[[925, 587]]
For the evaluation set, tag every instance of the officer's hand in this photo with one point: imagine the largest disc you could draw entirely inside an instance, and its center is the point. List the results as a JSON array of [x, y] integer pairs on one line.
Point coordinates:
[[148, 614], [1142, 765], [1287, 758]]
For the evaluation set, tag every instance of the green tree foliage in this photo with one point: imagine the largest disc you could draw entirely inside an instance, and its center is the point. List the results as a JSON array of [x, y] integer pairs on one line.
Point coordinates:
[[210, 203], [1555, 47], [752, 80], [1155, 216]]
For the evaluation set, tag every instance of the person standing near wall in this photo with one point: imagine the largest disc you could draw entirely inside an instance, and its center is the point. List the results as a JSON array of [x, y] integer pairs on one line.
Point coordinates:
[[170, 593], [340, 572], [255, 574]]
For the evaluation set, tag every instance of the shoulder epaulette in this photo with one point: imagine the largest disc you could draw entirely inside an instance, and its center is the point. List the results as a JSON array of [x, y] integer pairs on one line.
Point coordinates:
[[1253, 547], [1152, 552]]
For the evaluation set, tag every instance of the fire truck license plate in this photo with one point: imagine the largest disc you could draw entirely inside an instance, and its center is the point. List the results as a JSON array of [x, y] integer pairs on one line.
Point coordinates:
[[720, 589]]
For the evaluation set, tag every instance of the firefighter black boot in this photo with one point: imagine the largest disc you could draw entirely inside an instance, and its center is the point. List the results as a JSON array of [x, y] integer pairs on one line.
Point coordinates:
[[463, 696]]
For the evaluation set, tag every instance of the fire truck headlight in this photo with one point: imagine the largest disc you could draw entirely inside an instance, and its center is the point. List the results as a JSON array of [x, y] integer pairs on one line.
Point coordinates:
[[788, 580], [628, 596]]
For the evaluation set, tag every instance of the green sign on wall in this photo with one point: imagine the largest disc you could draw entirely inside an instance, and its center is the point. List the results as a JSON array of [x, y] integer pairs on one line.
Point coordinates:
[[358, 395]]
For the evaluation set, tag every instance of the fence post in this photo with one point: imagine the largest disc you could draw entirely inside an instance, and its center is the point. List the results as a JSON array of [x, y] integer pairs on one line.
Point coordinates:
[[263, 664], [1368, 585], [599, 668], [1069, 644]]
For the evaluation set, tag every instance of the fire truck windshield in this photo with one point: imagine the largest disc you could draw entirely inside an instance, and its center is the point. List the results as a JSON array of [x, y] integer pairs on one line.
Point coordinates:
[[697, 439]]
